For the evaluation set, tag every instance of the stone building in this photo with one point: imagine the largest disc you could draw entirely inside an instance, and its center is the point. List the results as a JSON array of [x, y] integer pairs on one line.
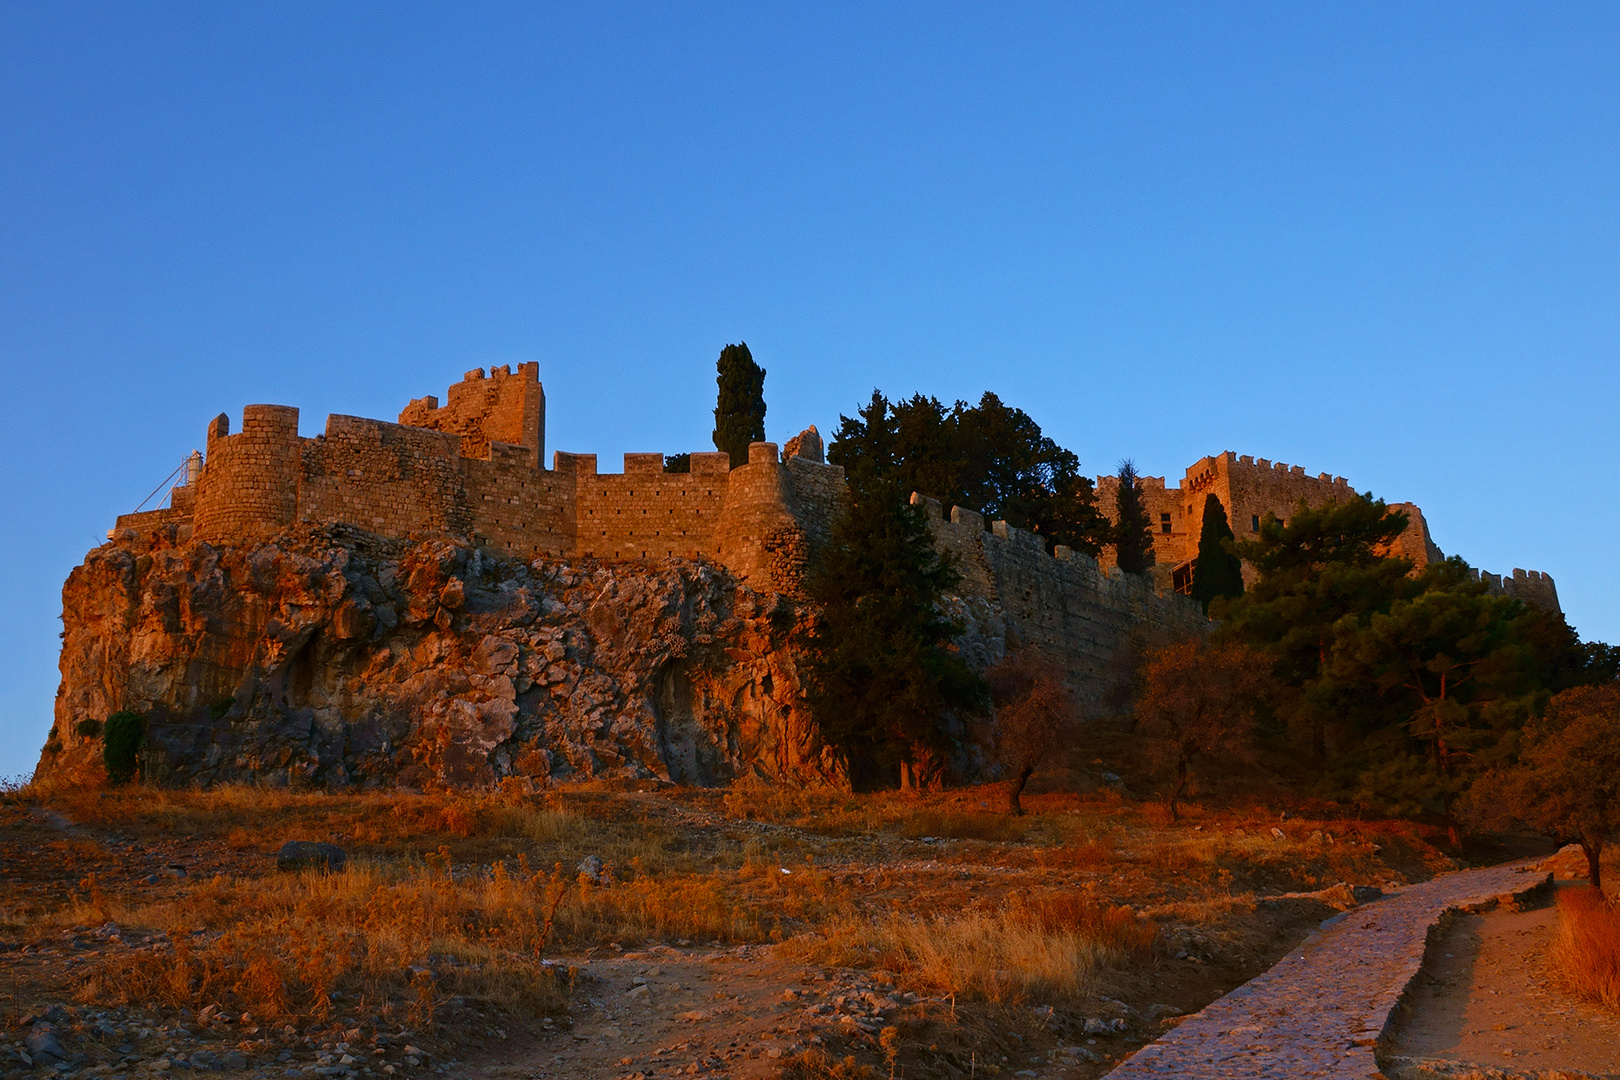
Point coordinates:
[[1251, 489]]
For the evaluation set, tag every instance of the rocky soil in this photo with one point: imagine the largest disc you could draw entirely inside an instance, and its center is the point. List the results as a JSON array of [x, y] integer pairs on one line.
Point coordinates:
[[334, 658]]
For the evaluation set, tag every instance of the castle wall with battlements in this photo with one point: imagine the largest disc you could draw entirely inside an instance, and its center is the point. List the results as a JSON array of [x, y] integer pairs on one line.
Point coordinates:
[[1250, 489], [472, 468]]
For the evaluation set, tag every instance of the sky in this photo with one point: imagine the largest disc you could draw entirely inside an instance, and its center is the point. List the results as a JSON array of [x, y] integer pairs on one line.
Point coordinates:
[[1377, 240]]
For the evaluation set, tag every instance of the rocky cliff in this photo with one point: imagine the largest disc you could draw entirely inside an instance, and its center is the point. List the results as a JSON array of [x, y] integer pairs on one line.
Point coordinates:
[[335, 657]]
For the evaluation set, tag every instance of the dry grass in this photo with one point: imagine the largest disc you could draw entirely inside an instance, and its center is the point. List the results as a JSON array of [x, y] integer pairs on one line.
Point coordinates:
[[461, 895], [1586, 952], [1046, 949], [391, 943], [392, 937]]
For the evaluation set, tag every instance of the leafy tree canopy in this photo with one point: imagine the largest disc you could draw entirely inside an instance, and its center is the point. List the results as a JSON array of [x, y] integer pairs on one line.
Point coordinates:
[[987, 457], [1567, 781], [122, 737]]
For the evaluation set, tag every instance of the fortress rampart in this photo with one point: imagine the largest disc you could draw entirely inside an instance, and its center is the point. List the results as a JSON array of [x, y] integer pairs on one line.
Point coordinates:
[[449, 471], [1251, 489], [472, 469]]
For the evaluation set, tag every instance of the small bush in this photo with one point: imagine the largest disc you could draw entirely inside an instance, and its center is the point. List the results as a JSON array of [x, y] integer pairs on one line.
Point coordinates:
[[1586, 953], [122, 738], [87, 729]]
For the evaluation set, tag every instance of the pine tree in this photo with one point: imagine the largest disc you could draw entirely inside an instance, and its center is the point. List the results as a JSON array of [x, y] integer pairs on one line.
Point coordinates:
[[882, 674], [1217, 571], [1133, 535], [987, 457], [739, 411]]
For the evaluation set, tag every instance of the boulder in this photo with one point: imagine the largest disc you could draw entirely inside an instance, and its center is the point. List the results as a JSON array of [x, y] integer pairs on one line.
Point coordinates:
[[44, 1043]]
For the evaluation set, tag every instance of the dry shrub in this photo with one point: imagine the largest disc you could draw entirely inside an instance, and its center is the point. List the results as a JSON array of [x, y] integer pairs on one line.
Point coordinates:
[[1046, 949], [1079, 855], [957, 825], [1035, 717], [816, 1064], [1586, 952]]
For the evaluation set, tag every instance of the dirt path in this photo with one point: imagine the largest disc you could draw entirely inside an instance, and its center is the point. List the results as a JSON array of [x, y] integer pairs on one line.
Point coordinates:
[[1318, 1014], [668, 1011], [1485, 998]]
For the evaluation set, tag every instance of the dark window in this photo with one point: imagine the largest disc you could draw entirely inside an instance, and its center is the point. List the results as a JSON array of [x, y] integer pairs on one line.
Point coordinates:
[[1256, 520], [1164, 523]]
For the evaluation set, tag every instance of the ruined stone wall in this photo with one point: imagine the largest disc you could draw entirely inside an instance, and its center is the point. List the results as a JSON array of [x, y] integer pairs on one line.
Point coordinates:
[[1530, 586], [1063, 606], [507, 406]]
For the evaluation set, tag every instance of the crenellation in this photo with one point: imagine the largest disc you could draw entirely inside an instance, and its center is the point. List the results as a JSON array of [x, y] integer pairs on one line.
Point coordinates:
[[1251, 490], [471, 469]]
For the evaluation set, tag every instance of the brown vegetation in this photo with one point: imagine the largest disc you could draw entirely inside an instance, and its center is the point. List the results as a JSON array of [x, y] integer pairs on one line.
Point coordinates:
[[1035, 717], [1200, 700], [1586, 953], [1567, 782]]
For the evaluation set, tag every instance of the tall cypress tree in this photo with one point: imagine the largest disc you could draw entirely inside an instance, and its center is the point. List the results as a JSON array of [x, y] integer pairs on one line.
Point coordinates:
[[1133, 531], [739, 411], [882, 673], [1217, 571]]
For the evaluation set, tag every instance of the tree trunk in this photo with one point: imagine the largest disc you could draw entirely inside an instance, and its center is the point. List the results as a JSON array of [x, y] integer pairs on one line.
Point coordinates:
[[1018, 789], [1594, 868], [1180, 786], [908, 776]]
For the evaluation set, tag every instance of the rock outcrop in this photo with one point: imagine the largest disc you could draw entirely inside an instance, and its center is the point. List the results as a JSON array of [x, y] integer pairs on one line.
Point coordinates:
[[335, 657]]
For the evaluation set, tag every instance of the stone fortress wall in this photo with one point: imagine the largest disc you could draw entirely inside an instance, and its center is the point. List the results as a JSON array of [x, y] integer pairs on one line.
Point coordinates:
[[451, 471], [473, 469], [1252, 488]]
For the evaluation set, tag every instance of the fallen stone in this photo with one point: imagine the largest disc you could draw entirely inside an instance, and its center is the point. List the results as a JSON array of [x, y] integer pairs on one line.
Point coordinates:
[[44, 1044]]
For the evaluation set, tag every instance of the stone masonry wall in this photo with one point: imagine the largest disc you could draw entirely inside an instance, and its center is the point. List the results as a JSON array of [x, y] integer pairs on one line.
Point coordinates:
[[1064, 606], [249, 487], [644, 512]]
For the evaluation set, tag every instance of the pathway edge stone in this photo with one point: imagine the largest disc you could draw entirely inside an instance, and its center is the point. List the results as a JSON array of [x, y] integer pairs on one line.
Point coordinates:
[[1321, 1012]]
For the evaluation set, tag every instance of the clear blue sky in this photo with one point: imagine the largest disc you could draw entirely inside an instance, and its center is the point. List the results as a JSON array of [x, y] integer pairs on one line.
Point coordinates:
[[1377, 240]]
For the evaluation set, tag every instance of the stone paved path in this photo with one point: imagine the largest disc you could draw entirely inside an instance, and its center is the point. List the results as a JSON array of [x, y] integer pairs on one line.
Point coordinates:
[[1319, 1012]]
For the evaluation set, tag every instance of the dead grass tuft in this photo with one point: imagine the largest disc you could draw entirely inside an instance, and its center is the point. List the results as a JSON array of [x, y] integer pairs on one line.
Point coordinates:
[[1045, 949], [1586, 952]]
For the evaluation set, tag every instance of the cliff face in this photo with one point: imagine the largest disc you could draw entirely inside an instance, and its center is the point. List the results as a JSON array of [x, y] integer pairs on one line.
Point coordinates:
[[335, 657]]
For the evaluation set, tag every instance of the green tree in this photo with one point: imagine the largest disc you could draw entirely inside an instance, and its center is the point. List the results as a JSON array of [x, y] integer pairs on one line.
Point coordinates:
[[678, 463], [882, 673], [121, 739], [1566, 783], [739, 411], [1133, 530], [1453, 665], [1217, 571], [988, 457], [1322, 567]]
